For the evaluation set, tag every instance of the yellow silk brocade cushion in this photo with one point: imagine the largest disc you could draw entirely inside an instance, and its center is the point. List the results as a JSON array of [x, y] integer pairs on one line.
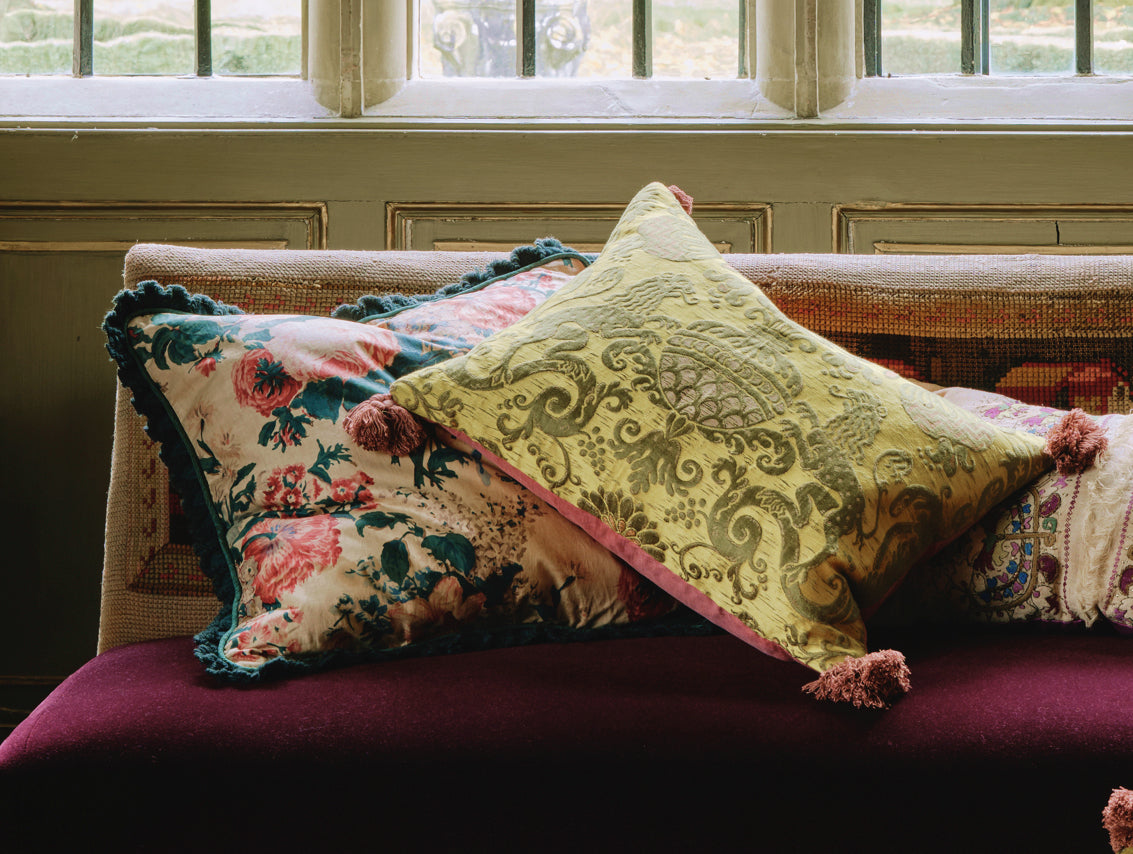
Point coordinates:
[[772, 481]]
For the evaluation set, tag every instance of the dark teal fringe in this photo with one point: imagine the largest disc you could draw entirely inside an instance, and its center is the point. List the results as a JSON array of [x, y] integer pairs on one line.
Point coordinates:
[[543, 249], [683, 622], [149, 298]]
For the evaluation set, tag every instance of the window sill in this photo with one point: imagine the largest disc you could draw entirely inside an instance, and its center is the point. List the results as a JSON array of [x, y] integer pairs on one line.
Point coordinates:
[[596, 101], [49, 101], [230, 101], [911, 103], [979, 102]]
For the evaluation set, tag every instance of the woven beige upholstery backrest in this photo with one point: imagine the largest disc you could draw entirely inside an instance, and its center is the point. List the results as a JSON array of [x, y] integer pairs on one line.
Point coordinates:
[[1049, 329], [1055, 330]]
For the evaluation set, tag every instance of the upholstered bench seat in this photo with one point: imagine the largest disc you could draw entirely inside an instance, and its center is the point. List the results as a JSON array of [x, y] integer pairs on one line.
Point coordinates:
[[663, 743]]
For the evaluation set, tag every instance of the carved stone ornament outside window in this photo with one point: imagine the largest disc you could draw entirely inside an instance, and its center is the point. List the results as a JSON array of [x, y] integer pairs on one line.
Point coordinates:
[[476, 38]]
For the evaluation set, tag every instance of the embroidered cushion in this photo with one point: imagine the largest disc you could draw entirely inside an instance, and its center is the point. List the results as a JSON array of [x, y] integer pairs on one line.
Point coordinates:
[[772, 481], [1060, 550], [322, 551]]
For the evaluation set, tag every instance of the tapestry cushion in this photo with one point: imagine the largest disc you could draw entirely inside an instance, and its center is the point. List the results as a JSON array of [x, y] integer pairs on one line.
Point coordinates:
[[1060, 550], [772, 481], [319, 550]]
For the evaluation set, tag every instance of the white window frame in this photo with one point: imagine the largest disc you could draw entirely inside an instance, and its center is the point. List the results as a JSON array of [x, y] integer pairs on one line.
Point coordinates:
[[806, 62]]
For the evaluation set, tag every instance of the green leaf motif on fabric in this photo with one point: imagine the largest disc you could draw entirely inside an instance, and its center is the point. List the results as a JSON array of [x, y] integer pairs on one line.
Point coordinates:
[[182, 342], [322, 399], [432, 465], [380, 519], [337, 453], [395, 561], [452, 549]]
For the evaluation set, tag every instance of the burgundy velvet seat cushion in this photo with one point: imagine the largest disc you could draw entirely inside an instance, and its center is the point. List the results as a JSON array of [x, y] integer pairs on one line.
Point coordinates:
[[1006, 739]]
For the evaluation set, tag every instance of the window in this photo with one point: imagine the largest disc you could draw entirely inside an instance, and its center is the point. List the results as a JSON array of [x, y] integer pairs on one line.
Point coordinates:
[[998, 37], [718, 63], [168, 37]]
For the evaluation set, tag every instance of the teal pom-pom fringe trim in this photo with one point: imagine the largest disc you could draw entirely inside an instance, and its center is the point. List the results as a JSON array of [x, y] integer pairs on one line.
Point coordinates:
[[521, 257], [149, 298]]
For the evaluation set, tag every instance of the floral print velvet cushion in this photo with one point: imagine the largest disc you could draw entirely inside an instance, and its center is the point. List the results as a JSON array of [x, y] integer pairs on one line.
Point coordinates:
[[321, 550], [765, 477], [1060, 550]]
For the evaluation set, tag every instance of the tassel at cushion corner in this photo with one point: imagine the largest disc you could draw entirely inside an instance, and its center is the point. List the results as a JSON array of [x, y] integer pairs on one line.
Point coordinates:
[[1117, 818], [1075, 442], [379, 424], [872, 681], [684, 198]]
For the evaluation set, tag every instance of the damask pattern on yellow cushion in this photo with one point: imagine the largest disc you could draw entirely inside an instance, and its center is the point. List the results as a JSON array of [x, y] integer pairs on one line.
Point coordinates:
[[769, 479]]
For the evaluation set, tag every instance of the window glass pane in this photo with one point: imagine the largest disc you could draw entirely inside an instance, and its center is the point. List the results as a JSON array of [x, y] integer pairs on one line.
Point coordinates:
[[606, 48], [579, 38], [1032, 37], [138, 37], [1113, 37], [920, 36], [256, 37], [696, 39], [36, 36], [467, 38]]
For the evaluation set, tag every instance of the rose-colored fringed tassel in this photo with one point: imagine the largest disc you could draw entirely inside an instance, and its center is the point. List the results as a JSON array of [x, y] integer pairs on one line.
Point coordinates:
[[379, 424], [872, 681], [1117, 818], [684, 198], [1075, 442]]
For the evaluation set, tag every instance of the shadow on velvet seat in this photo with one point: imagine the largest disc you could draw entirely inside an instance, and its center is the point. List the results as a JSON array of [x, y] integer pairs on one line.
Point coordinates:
[[671, 742]]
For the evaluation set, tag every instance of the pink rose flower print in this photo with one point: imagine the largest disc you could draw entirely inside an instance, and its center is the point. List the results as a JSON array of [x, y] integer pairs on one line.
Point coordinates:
[[288, 488], [479, 317], [262, 383], [266, 636], [205, 366], [289, 551], [343, 351], [352, 490]]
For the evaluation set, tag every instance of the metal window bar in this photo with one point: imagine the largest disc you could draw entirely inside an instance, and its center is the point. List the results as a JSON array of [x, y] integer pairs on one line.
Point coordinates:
[[974, 40], [642, 39], [525, 15], [1084, 36], [985, 36], [82, 63], [871, 36], [83, 50], [975, 37], [741, 70], [203, 32]]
